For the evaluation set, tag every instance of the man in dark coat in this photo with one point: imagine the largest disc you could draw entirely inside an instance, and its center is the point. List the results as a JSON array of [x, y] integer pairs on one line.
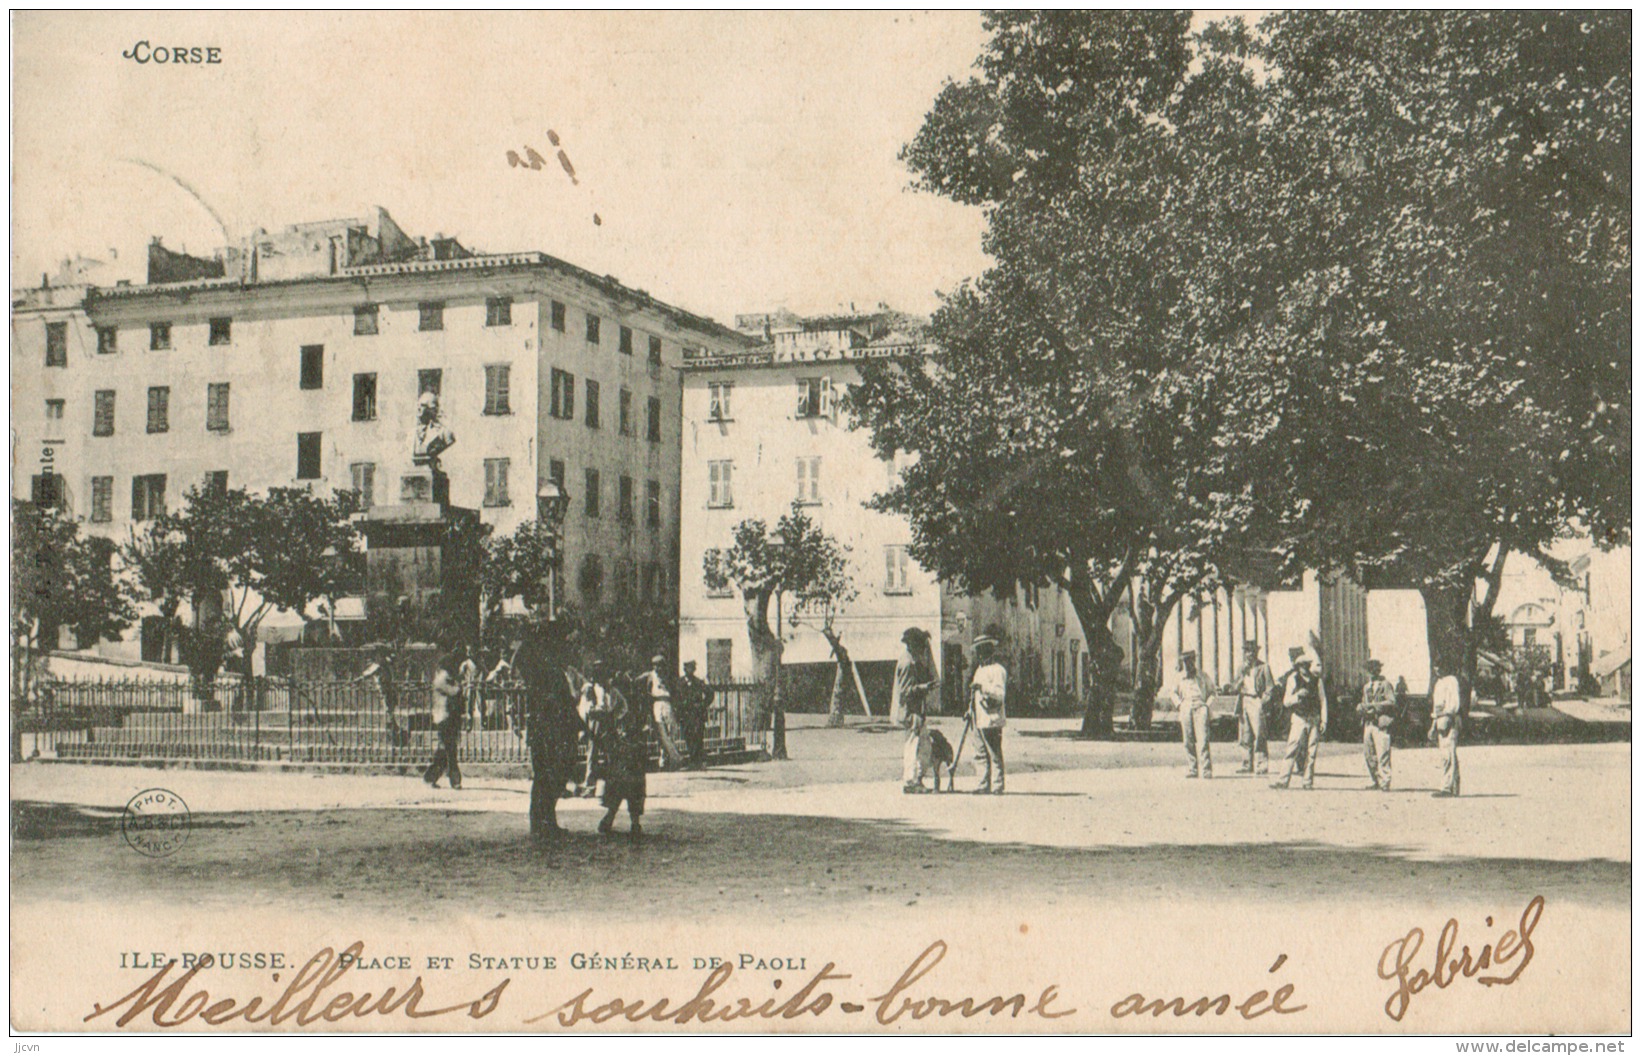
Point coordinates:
[[552, 727], [694, 699]]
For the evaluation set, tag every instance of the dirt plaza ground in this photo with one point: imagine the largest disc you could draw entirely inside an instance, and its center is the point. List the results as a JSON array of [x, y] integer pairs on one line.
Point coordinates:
[[830, 831]]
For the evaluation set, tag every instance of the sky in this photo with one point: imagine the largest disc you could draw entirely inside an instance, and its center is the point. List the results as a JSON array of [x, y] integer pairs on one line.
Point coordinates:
[[735, 161]]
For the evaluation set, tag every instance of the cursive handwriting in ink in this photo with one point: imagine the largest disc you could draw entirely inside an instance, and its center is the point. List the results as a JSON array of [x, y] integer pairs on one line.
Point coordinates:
[[1253, 1006], [305, 999], [1396, 962], [894, 1002]]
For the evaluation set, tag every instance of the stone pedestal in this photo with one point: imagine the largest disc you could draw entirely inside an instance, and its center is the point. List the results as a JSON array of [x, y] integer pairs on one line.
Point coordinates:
[[412, 552]]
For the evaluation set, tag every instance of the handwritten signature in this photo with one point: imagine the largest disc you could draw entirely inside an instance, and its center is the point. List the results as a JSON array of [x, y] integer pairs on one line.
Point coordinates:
[[1396, 962]]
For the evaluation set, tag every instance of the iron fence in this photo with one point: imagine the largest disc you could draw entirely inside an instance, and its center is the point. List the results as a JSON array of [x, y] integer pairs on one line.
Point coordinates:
[[362, 721]]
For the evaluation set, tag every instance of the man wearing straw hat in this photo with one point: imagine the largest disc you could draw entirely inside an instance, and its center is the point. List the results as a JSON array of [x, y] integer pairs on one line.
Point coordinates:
[[988, 693], [1378, 710], [1190, 694], [1255, 689]]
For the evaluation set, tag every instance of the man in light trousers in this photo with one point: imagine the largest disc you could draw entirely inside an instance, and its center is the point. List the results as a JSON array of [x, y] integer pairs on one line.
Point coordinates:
[[1255, 690], [1190, 693], [1304, 700], [1378, 709], [1444, 731]]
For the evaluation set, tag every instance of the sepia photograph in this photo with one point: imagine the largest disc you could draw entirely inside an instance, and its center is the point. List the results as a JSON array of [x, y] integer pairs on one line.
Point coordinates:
[[1105, 522]]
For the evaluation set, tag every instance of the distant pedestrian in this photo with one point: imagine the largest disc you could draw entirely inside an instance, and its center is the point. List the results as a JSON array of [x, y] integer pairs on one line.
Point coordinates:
[[1445, 723], [625, 739], [1191, 694], [655, 685], [694, 700], [447, 718], [988, 710], [1256, 691], [468, 674], [1302, 700], [1379, 709], [915, 681]]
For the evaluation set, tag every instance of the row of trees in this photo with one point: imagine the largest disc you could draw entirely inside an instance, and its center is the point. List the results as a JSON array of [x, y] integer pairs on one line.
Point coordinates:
[[1344, 291], [233, 557]]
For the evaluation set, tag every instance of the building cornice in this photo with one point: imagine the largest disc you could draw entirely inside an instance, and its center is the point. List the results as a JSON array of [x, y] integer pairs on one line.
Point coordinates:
[[491, 263]]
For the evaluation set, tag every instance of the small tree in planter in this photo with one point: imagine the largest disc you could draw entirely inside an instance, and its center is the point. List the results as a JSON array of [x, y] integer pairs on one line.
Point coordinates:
[[797, 558]]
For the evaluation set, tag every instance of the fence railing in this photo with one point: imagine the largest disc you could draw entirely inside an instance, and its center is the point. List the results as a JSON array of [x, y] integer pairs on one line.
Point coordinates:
[[353, 721]]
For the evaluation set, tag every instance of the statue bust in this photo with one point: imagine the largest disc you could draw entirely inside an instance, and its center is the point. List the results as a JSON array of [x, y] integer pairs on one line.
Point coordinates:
[[433, 437]]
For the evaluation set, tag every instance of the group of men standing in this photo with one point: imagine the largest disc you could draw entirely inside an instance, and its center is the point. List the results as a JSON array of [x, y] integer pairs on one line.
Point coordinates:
[[563, 709], [1303, 696]]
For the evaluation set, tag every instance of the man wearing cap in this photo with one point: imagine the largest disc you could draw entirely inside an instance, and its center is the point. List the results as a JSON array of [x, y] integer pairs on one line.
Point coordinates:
[[914, 679], [694, 699], [1378, 708], [988, 694], [1302, 700], [660, 693], [1190, 694], [1255, 689]]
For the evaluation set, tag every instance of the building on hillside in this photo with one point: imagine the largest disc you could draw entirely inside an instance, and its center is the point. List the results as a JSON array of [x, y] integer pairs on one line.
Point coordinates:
[[298, 358]]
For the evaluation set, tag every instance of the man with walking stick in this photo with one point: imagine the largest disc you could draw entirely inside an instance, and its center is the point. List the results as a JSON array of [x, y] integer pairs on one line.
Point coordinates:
[[988, 691]]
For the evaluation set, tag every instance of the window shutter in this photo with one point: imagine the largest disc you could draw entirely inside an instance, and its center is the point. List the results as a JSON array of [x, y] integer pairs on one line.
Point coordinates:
[[803, 398], [828, 406]]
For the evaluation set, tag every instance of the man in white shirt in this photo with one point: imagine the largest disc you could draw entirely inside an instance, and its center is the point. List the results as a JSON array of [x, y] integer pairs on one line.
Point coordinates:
[[1190, 694], [988, 692], [1444, 730]]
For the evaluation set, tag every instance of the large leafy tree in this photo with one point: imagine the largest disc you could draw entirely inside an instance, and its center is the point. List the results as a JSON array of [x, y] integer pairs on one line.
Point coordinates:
[[59, 578], [796, 559], [1064, 428], [1346, 292], [1456, 194]]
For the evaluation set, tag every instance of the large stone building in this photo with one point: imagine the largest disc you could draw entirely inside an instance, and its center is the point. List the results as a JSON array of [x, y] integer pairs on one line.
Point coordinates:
[[298, 358]]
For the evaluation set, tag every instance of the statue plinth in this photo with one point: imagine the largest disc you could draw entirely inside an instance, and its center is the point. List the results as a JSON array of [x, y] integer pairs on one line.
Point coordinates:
[[412, 551]]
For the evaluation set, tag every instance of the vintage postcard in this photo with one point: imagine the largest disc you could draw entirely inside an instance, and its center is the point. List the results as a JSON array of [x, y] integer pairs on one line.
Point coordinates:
[[898, 522]]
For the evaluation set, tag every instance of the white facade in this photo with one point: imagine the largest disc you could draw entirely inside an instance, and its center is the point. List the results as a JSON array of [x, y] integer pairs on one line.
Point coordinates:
[[750, 450], [323, 368]]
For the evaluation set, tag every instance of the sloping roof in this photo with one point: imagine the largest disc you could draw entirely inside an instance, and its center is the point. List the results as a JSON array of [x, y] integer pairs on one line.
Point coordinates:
[[1607, 663]]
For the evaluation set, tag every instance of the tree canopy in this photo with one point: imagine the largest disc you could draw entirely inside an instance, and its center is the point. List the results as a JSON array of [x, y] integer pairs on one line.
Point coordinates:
[[1347, 291]]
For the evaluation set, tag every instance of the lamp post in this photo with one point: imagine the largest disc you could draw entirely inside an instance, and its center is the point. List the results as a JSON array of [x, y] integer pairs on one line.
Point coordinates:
[[551, 503], [777, 549]]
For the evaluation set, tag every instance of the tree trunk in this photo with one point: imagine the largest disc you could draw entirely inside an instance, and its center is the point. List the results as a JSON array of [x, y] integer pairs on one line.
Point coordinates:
[[1092, 603], [1455, 623], [766, 663], [1151, 620], [840, 684]]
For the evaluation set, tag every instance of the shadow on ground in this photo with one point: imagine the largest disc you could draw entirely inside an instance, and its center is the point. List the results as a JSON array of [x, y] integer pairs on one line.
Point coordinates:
[[435, 863]]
